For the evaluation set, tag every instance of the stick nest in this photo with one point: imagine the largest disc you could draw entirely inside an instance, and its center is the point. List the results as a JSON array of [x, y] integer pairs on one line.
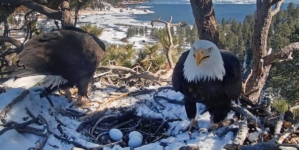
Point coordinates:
[[151, 129]]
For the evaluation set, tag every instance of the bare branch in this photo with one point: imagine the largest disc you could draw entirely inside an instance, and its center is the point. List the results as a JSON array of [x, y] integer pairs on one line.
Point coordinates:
[[54, 14], [64, 16], [285, 134], [13, 41], [242, 134], [7, 54], [135, 74], [170, 20], [168, 26], [158, 21], [10, 105], [283, 54], [101, 74], [294, 108], [246, 114], [278, 126], [277, 7]]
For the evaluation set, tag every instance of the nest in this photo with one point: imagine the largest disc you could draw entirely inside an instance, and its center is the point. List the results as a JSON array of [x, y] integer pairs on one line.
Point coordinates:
[[97, 130]]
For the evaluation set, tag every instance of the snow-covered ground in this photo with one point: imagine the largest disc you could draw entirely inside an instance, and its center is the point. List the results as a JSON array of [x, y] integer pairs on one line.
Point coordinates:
[[115, 24], [12, 140], [37, 105]]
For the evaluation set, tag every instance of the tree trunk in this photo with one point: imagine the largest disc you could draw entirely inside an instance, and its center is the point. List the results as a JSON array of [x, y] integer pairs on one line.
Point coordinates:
[[77, 12], [260, 72], [204, 15]]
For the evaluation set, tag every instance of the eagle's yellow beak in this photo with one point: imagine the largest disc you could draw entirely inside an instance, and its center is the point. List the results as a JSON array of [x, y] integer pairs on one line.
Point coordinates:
[[200, 56]]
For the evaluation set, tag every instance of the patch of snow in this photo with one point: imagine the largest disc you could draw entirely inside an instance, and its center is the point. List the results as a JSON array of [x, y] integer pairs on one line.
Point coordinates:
[[40, 105]]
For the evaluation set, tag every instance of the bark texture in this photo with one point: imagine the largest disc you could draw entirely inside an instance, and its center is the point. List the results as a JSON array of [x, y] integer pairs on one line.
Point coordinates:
[[204, 15], [263, 57], [260, 71]]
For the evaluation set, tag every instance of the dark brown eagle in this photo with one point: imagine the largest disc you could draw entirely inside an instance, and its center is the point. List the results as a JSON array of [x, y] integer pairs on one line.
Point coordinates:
[[205, 74], [62, 58]]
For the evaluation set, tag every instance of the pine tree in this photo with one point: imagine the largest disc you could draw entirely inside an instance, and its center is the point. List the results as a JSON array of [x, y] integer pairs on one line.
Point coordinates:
[[141, 31], [188, 32], [193, 36], [130, 32], [145, 30]]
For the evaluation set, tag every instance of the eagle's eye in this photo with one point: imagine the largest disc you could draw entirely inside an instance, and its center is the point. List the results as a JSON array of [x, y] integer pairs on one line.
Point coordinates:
[[194, 55], [210, 49]]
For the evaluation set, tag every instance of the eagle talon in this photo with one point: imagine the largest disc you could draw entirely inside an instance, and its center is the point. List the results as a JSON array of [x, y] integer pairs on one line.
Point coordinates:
[[193, 124], [68, 93], [81, 101]]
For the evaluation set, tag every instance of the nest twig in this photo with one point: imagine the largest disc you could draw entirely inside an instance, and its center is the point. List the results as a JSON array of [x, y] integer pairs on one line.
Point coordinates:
[[10, 105]]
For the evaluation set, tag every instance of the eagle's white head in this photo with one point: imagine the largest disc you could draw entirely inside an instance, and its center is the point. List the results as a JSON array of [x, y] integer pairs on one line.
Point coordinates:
[[204, 62]]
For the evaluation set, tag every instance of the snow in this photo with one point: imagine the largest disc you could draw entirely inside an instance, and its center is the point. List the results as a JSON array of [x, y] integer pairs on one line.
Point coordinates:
[[40, 105], [114, 23], [145, 104], [37, 105]]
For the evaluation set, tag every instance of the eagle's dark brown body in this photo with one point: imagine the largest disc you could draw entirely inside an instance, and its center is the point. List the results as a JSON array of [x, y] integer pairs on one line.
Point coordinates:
[[69, 52], [215, 94]]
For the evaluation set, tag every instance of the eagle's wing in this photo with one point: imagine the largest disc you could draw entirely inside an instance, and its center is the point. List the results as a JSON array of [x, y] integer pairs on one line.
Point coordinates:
[[32, 59], [233, 76], [178, 75], [80, 55], [63, 52]]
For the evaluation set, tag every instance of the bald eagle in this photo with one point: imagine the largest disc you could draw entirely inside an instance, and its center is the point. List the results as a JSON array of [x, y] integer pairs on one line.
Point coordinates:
[[62, 58], [204, 74]]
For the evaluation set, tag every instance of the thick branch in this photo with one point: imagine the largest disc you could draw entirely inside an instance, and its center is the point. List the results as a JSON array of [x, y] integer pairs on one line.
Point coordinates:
[[247, 114], [54, 14], [242, 134], [13, 41], [64, 16], [282, 54], [277, 7]]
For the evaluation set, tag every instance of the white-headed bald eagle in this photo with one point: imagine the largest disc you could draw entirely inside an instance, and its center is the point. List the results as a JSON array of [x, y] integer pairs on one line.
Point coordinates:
[[61, 58], [205, 74]]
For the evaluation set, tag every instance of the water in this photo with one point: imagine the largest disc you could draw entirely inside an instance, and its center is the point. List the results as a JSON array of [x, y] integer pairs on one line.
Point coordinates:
[[183, 11]]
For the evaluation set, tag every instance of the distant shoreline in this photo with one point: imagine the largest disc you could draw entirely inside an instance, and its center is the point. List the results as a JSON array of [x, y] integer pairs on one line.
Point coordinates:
[[134, 2]]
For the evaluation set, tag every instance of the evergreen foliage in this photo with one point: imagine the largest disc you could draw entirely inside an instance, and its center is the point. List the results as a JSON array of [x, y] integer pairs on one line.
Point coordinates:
[[133, 31], [151, 58], [92, 29], [280, 105], [237, 37], [121, 55], [284, 76]]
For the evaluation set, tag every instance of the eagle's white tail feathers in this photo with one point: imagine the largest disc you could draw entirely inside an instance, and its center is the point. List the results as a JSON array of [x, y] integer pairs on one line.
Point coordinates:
[[30, 81], [54, 81]]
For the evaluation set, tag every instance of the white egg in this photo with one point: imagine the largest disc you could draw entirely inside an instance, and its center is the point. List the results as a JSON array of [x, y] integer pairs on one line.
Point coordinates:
[[135, 133], [135, 141], [115, 134]]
